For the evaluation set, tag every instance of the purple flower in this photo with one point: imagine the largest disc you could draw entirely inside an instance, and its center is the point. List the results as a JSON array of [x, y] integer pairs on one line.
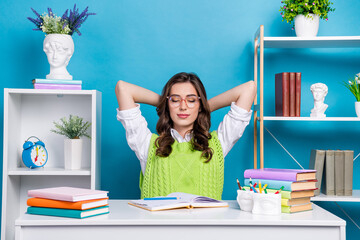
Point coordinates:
[[313, 3], [284, 7], [291, 10], [305, 4], [283, 15]]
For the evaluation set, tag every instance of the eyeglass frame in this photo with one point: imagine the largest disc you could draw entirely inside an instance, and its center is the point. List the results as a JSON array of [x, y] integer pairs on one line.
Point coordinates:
[[183, 99]]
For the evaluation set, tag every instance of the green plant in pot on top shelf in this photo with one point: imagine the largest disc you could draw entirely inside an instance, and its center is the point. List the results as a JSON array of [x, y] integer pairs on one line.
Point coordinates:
[[354, 86], [304, 15], [72, 128]]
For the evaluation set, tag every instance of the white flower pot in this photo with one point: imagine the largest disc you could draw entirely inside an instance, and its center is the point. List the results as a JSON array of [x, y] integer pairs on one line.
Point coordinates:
[[357, 109], [73, 153], [59, 48], [307, 26]]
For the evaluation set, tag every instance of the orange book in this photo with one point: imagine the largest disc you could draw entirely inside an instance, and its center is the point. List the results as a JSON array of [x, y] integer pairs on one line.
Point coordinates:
[[81, 205]]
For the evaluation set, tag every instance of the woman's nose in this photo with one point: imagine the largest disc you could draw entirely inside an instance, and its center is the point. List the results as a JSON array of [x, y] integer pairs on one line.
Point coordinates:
[[183, 104]]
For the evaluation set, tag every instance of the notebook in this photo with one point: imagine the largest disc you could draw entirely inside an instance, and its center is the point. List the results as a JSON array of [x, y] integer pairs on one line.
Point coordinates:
[[71, 213], [184, 200], [81, 205]]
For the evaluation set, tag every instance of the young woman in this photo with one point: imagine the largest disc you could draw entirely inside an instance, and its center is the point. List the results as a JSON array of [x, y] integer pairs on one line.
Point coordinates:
[[184, 156]]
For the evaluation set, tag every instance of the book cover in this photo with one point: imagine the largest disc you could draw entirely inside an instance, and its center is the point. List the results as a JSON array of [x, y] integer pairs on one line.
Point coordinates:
[[348, 172], [183, 200], [56, 81], [296, 208], [282, 97], [297, 94], [57, 86], [81, 205], [328, 188], [339, 172], [317, 159], [288, 194], [292, 92], [70, 194], [68, 212], [294, 201], [288, 185], [281, 174]]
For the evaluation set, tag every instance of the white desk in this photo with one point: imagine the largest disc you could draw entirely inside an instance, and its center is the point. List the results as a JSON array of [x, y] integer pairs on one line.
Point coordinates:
[[128, 222]]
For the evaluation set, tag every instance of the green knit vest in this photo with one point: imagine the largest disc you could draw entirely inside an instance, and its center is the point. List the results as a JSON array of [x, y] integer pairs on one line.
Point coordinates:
[[183, 171]]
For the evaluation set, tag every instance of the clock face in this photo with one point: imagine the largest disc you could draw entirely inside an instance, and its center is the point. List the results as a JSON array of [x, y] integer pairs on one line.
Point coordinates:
[[38, 155]]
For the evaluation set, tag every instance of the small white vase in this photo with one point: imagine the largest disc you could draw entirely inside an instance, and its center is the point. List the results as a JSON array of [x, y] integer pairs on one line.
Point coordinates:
[[307, 26], [73, 153], [357, 109]]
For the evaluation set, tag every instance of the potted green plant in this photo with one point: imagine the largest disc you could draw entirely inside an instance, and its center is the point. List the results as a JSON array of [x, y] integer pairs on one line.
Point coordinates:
[[304, 15], [58, 43], [72, 128], [354, 86]]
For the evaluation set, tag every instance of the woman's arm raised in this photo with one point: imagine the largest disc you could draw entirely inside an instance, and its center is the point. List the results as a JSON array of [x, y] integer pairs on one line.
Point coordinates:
[[243, 96], [128, 94]]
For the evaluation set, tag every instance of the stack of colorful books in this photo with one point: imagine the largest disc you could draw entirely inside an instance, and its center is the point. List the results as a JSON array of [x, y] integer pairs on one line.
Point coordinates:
[[57, 84], [67, 202], [295, 186]]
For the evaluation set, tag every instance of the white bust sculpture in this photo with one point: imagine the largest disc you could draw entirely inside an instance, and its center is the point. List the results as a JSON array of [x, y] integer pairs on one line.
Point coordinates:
[[58, 48], [319, 91]]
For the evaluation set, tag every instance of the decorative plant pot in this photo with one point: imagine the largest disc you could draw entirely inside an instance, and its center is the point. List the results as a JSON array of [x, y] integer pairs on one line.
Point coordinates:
[[59, 48], [307, 26], [73, 153], [357, 109]]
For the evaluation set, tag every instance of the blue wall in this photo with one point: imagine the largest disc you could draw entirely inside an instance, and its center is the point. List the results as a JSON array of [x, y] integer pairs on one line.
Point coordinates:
[[146, 42]]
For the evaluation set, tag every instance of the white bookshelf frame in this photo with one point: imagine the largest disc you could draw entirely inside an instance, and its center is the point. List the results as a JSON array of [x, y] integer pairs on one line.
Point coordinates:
[[31, 112]]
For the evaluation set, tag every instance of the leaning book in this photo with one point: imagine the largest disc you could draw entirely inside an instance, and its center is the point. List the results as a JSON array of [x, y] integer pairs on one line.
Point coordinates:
[[183, 200]]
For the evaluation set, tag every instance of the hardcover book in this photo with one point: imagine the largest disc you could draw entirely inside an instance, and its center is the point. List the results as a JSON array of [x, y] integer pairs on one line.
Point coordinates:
[[348, 172], [317, 159], [328, 188], [297, 94], [68, 212], [184, 200], [339, 172], [292, 92], [57, 86], [288, 194], [294, 201], [57, 81], [81, 205], [288, 185], [282, 94], [296, 208], [281, 174], [70, 194]]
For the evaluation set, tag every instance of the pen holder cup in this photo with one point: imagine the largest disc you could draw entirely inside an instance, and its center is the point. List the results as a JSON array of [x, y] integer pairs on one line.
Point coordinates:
[[267, 204], [245, 200]]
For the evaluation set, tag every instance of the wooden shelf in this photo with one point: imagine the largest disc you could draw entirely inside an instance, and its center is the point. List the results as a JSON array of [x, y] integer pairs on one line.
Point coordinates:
[[325, 198], [48, 172], [329, 119], [312, 42]]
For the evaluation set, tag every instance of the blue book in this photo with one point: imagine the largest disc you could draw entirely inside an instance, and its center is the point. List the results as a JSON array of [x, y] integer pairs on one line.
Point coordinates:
[[56, 81], [288, 185], [68, 212]]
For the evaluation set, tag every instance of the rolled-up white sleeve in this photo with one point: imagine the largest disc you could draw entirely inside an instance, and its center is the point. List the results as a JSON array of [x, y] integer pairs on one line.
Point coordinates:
[[232, 127], [138, 134]]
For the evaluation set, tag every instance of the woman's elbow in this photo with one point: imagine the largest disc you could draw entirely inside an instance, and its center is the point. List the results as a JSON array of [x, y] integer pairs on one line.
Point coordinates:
[[120, 87]]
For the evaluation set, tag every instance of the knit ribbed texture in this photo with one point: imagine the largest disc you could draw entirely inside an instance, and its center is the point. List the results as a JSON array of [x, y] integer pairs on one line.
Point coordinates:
[[183, 171]]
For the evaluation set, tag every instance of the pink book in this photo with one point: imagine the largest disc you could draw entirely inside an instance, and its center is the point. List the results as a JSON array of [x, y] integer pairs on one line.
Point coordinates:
[[69, 194], [57, 86], [281, 174]]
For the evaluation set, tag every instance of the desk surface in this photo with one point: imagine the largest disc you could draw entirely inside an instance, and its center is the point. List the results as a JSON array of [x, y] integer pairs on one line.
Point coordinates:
[[123, 214]]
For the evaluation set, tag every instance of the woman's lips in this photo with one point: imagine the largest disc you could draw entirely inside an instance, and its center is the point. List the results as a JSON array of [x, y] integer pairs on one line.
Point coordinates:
[[183, 115]]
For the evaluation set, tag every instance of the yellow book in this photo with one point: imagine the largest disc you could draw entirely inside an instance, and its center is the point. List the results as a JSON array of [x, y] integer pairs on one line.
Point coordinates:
[[294, 201], [296, 208]]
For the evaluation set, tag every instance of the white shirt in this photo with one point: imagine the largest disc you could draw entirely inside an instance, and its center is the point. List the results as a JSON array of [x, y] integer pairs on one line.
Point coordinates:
[[138, 134]]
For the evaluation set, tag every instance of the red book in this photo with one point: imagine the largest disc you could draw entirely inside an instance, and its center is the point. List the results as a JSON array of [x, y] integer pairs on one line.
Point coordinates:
[[282, 91], [297, 93], [292, 94]]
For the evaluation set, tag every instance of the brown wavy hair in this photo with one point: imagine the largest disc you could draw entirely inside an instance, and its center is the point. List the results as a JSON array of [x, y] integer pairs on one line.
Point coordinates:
[[200, 131]]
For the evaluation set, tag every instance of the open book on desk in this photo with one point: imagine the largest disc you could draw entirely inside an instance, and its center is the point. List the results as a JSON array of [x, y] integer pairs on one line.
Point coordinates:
[[181, 200]]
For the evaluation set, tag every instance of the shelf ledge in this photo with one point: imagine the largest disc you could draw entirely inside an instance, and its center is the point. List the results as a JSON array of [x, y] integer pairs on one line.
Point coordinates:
[[312, 42], [48, 171], [325, 198], [329, 119]]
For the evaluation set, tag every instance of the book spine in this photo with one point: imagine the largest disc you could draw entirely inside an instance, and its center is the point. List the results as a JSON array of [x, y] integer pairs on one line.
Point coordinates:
[[297, 93], [292, 88], [317, 158], [339, 173], [57, 86], [57, 81], [271, 175], [329, 174], [282, 94], [348, 172], [273, 184]]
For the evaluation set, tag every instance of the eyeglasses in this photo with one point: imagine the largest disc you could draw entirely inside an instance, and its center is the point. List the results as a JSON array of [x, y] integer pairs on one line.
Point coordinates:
[[175, 100]]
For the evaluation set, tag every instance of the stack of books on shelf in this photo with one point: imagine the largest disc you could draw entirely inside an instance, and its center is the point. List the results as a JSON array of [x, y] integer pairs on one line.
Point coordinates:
[[334, 171], [67, 202], [295, 186], [57, 84], [288, 94]]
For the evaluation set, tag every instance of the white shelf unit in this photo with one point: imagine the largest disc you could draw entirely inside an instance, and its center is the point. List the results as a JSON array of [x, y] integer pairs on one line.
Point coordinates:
[[261, 42], [31, 112]]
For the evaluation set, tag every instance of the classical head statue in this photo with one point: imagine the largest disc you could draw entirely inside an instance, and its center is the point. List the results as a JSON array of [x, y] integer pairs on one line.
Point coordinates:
[[319, 91], [59, 48]]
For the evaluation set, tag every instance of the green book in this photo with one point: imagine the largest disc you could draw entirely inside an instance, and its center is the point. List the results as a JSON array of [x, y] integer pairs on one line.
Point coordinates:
[[68, 212]]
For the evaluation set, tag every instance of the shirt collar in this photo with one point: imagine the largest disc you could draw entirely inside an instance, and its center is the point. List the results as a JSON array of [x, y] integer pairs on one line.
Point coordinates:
[[179, 138]]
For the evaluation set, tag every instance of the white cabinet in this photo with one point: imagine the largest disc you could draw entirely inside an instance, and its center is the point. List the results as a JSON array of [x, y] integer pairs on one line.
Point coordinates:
[[260, 43], [31, 112]]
